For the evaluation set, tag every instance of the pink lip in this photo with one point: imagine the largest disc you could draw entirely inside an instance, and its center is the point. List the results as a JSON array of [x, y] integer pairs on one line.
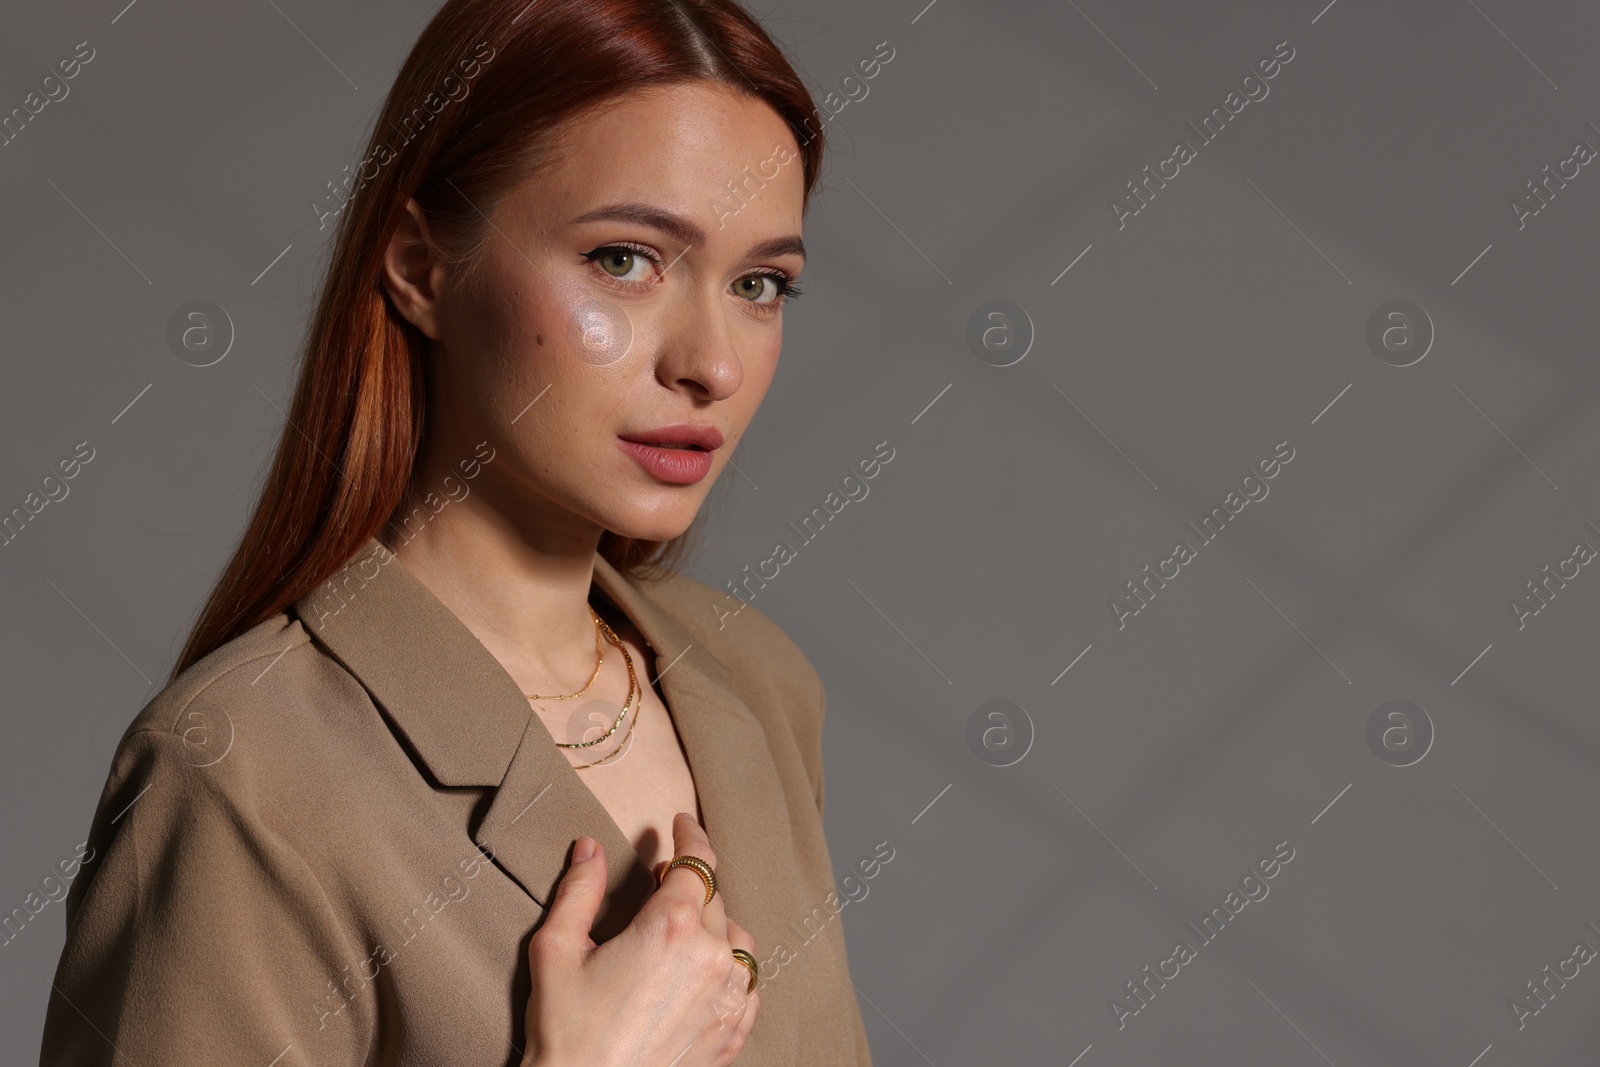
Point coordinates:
[[679, 433], [681, 466], [685, 464]]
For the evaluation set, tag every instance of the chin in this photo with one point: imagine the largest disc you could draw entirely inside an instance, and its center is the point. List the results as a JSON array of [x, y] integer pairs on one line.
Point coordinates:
[[652, 527]]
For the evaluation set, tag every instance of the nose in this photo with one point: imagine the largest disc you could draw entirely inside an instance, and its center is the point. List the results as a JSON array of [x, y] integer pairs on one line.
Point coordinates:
[[698, 350]]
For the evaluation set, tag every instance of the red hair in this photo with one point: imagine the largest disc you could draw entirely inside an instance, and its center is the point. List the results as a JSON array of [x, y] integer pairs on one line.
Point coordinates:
[[349, 452]]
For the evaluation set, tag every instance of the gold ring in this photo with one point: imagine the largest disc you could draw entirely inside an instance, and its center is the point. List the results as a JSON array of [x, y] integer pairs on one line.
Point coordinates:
[[749, 961], [698, 866]]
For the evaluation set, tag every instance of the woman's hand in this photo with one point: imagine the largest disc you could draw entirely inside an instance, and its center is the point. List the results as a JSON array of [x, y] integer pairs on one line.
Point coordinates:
[[667, 983]]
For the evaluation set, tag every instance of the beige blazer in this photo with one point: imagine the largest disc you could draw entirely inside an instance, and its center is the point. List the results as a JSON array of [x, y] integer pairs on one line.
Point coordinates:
[[328, 841]]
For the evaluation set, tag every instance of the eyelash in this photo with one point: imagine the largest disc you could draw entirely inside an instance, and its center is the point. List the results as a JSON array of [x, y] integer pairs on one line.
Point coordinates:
[[787, 289]]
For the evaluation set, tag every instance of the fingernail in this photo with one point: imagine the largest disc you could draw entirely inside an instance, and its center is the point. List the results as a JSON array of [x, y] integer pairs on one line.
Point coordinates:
[[583, 850]]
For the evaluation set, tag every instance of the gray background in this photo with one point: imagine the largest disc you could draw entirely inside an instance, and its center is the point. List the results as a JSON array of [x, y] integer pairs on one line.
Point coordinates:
[[1228, 315]]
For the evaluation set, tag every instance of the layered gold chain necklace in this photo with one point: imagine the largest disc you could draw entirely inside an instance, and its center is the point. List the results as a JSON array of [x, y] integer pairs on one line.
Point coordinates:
[[603, 633]]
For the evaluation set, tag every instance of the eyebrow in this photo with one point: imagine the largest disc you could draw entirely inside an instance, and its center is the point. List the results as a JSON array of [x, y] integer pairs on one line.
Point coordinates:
[[685, 231]]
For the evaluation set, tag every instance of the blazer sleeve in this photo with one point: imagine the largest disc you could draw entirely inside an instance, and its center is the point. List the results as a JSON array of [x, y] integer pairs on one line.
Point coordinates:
[[199, 934], [863, 1047]]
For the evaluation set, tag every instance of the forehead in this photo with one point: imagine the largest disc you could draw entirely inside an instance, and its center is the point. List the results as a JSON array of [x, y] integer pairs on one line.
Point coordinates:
[[684, 148]]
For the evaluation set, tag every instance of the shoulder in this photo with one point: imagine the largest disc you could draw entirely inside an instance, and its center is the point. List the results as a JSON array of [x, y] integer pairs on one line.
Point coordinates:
[[261, 705], [214, 777], [229, 675], [193, 863], [191, 791]]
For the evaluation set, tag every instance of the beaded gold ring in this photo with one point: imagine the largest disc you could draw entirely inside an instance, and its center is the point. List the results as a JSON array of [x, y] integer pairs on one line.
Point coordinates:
[[698, 866]]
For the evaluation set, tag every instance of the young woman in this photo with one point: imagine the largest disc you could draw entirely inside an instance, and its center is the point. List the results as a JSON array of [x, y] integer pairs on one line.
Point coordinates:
[[411, 794]]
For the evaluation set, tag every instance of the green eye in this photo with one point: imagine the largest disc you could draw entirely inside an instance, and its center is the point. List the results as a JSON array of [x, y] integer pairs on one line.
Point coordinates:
[[621, 261], [618, 262], [766, 287]]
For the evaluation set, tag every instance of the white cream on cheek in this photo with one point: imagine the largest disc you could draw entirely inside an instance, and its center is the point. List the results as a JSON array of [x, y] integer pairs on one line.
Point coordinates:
[[589, 325], [599, 331]]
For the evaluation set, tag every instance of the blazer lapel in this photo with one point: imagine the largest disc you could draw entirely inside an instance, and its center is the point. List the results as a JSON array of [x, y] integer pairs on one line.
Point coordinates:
[[469, 724], [745, 816], [539, 811], [543, 805]]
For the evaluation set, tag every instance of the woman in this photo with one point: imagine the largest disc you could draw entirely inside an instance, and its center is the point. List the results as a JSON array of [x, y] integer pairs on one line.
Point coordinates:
[[411, 793]]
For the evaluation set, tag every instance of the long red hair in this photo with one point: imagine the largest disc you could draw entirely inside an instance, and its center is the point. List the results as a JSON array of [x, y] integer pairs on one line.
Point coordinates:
[[468, 117]]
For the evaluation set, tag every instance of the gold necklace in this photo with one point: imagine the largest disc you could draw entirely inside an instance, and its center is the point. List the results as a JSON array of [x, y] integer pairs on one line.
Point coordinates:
[[599, 653], [633, 688], [632, 684]]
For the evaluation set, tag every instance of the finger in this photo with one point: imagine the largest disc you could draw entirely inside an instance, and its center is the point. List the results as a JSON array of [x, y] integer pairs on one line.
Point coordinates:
[[752, 1009], [689, 839], [577, 899], [727, 1033], [733, 1002], [739, 1008], [739, 937], [682, 883]]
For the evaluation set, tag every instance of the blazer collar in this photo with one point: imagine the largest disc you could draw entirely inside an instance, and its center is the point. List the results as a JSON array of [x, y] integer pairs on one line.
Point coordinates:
[[469, 724]]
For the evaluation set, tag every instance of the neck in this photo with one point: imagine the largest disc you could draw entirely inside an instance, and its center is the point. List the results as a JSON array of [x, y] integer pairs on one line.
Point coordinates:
[[524, 595]]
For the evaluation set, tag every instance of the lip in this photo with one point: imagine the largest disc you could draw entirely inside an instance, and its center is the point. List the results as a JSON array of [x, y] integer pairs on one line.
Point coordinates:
[[677, 466], [707, 437]]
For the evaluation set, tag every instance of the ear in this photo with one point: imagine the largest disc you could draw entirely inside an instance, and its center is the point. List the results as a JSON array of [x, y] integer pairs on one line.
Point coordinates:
[[412, 273]]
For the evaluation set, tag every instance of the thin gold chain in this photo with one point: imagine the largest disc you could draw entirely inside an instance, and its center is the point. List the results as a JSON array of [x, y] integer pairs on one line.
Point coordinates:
[[605, 632], [599, 654]]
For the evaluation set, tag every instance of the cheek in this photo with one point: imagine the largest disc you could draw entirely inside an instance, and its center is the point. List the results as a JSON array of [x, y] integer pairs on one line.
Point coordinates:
[[595, 330], [515, 305], [532, 339], [761, 363], [599, 331]]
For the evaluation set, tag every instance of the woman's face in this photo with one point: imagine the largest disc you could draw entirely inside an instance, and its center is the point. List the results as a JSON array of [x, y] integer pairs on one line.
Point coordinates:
[[625, 292]]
